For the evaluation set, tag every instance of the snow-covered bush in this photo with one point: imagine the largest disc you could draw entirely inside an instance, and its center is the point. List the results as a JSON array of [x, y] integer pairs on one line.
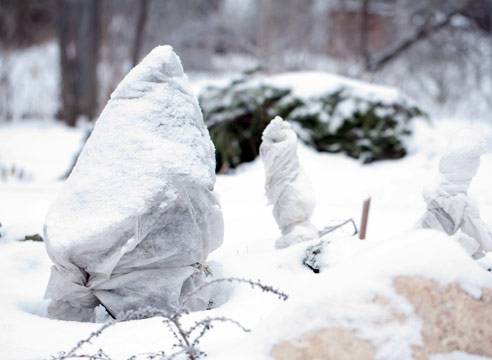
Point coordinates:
[[362, 128], [332, 114], [236, 115]]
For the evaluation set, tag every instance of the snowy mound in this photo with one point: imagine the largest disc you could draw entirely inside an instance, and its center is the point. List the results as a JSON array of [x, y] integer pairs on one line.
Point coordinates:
[[366, 290]]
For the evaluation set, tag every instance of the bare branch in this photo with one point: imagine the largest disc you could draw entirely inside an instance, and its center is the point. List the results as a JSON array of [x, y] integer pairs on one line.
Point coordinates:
[[429, 28], [187, 344], [258, 284], [71, 353], [206, 325]]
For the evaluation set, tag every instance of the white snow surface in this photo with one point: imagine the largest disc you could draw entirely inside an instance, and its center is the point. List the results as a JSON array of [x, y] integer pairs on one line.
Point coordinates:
[[43, 150], [457, 355], [355, 271], [308, 84]]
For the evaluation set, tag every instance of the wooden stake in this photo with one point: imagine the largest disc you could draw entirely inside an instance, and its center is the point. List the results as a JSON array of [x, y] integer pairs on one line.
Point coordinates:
[[365, 218]]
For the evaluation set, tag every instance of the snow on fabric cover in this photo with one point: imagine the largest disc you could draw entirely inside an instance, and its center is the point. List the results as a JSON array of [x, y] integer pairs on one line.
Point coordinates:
[[449, 208], [138, 211], [287, 187]]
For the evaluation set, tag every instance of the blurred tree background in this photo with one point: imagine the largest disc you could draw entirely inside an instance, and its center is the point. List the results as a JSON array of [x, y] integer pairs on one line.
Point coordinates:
[[439, 51]]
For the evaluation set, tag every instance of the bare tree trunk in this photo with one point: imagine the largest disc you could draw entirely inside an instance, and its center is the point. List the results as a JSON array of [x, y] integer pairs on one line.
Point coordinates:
[[264, 33], [139, 30], [89, 44], [21, 21], [79, 33], [69, 108], [364, 33]]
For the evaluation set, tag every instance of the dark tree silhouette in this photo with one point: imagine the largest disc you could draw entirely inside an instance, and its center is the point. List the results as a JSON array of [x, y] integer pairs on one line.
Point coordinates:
[[78, 28], [139, 30]]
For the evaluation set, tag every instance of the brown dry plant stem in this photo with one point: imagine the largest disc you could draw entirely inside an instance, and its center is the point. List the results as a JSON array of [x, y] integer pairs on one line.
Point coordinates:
[[187, 339], [365, 218]]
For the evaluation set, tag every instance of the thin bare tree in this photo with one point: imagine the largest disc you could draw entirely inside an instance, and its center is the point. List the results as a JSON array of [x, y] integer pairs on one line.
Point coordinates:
[[143, 6], [364, 33], [78, 28], [433, 23]]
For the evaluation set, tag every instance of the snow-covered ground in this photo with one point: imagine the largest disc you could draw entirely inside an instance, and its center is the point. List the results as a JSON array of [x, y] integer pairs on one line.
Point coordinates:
[[341, 184]]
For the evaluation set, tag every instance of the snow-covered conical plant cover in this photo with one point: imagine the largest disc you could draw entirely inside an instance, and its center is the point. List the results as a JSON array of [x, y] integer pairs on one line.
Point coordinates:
[[449, 208], [287, 187], [137, 216]]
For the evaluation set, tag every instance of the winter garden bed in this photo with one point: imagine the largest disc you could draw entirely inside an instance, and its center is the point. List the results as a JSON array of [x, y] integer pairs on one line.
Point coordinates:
[[330, 113], [162, 171], [343, 285]]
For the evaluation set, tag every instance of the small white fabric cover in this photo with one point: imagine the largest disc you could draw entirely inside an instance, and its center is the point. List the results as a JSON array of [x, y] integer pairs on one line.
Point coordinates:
[[287, 187], [449, 208], [137, 217]]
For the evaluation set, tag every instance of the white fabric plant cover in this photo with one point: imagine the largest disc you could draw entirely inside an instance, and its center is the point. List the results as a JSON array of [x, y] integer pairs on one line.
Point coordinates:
[[449, 208], [137, 216], [287, 187]]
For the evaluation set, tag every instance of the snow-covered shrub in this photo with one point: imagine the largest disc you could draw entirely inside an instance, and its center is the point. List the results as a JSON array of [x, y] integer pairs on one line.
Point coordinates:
[[236, 115], [332, 114], [362, 128]]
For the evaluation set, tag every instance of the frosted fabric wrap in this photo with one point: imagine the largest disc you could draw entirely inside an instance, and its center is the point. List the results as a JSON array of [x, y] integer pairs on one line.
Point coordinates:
[[449, 207], [137, 216], [287, 187]]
